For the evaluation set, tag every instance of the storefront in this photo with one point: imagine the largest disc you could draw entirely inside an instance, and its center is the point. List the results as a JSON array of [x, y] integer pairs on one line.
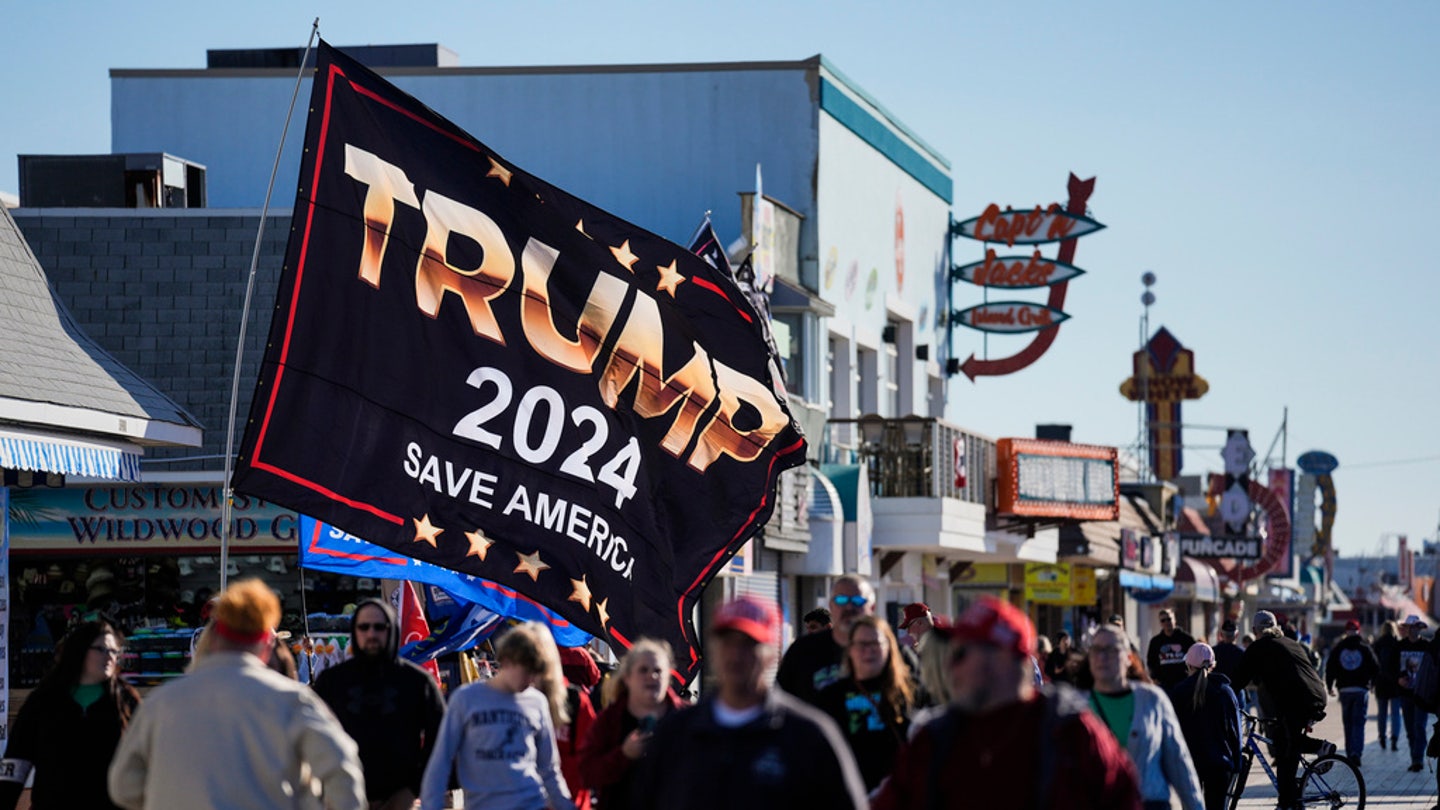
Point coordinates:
[[147, 557]]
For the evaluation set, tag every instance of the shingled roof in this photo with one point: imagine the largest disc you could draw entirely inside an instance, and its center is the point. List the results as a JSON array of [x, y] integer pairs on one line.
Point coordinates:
[[66, 405]]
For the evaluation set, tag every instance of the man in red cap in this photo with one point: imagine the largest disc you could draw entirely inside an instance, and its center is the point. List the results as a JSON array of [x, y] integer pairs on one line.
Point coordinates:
[[1002, 743], [916, 623], [1352, 666], [747, 744]]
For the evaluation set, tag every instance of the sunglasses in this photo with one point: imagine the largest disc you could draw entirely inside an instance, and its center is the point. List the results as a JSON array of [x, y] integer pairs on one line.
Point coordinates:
[[366, 627], [110, 652], [842, 600]]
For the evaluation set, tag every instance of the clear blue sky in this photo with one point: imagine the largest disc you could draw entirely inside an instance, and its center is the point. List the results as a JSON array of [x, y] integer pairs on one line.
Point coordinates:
[[1277, 165]]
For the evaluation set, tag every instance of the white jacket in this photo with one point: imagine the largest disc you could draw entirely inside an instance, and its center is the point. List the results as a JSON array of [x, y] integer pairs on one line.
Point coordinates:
[[233, 735]]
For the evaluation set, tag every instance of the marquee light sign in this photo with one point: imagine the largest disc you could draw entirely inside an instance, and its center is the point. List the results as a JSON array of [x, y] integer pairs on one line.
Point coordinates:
[[1010, 317], [1049, 479], [1040, 225]]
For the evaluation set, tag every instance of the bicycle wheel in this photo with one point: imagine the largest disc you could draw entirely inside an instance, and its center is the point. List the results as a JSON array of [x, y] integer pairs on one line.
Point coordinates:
[[1237, 782], [1332, 782]]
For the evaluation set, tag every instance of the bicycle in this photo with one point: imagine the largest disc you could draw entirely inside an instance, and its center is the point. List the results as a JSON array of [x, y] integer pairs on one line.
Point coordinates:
[[1325, 781]]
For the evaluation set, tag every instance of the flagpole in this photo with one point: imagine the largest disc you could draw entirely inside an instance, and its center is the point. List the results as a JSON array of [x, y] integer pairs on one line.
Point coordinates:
[[227, 506]]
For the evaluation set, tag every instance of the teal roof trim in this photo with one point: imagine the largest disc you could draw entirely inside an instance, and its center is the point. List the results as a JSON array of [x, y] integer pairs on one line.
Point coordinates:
[[873, 131]]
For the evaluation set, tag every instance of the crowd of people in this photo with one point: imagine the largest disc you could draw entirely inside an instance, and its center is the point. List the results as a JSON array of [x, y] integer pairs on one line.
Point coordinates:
[[975, 712]]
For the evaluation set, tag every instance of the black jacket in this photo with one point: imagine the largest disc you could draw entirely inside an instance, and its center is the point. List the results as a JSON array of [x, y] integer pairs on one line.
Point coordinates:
[[1351, 663], [1227, 658], [1387, 652], [69, 747], [791, 756], [1288, 684], [1212, 731], [390, 707]]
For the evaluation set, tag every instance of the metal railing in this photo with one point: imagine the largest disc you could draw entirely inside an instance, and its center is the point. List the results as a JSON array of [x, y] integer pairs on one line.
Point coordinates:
[[914, 456]]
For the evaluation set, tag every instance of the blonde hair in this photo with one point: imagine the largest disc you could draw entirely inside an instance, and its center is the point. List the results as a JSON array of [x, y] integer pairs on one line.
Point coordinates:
[[615, 688], [530, 646]]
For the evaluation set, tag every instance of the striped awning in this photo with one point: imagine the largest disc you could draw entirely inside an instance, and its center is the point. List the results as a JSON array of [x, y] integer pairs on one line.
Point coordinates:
[[38, 452]]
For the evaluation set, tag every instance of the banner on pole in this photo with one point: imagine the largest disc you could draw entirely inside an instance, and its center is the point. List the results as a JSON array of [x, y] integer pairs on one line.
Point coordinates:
[[483, 372]]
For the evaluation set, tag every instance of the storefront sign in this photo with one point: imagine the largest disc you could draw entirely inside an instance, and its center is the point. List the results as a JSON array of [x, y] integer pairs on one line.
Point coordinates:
[[1282, 486], [1034, 227], [1010, 317], [1164, 376], [1207, 547], [1129, 549], [983, 575], [1015, 272], [4, 619], [1053, 224], [1040, 478], [158, 518], [1082, 585], [1047, 582]]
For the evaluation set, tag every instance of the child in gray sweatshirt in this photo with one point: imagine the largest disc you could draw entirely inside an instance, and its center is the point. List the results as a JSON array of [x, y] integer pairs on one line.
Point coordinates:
[[500, 738]]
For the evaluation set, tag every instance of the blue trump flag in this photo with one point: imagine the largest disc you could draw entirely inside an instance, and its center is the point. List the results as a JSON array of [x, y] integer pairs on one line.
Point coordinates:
[[455, 625], [327, 548]]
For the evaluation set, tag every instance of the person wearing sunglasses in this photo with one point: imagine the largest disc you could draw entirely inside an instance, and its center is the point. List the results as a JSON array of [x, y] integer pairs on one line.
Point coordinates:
[[813, 662], [391, 707], [69, 727], [1002, 743]]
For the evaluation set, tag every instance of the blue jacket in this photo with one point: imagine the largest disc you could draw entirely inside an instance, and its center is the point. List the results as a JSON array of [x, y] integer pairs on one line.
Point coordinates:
[[1157, 747], [1212, 731]]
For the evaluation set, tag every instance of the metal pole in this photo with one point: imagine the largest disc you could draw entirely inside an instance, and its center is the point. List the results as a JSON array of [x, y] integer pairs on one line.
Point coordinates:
[[227, 505]]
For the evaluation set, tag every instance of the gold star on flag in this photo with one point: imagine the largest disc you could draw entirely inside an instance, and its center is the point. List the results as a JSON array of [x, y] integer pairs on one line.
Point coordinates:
[[670, 278], [425, 530], [580, 593], [496, 170], [479, 544], [624, 256], [530, 564], [604, 614]]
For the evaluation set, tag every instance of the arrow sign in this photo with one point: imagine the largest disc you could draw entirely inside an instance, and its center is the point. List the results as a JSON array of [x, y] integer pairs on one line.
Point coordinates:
[[1034, 227], [1080, 191], [1015, 272], [1009, 317]]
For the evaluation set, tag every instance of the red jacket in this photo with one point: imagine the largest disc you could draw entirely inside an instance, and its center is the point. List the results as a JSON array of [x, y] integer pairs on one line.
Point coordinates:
[[991, 761], [602, 763], [568, 738]]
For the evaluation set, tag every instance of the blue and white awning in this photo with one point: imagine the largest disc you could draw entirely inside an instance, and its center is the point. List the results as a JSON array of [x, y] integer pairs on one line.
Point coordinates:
[[38, 452]]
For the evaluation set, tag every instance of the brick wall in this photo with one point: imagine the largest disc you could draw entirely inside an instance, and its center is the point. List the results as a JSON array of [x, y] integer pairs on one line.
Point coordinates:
[[162, 290]]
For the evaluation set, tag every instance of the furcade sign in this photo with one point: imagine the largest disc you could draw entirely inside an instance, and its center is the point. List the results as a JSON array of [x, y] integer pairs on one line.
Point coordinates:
[[474, 368]]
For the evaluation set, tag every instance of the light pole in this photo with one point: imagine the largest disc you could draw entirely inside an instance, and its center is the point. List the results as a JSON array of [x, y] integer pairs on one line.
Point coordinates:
[[1142, 376]]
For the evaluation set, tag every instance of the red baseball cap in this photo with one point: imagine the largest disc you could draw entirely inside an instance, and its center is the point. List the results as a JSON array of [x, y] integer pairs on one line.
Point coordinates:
[[1352, 625], [756, 618], [997, 623], [913, 611]]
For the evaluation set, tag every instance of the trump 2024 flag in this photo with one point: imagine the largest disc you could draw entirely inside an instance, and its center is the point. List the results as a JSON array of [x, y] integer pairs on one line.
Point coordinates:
[[476, 369]]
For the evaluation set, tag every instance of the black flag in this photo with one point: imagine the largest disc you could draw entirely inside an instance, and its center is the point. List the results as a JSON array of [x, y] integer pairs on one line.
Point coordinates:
[[477, 369]]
